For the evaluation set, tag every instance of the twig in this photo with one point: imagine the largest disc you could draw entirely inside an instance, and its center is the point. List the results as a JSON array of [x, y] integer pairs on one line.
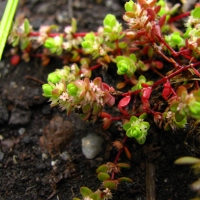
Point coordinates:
[[150, 181], [34, 79]]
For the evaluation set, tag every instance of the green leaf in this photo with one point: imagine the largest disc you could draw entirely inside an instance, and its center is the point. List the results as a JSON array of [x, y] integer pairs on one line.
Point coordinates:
[[110, 184], [103, 176], [74, 25], [129, 6], [85, 192], [26, 26], [72, 89], [24, 43], [95, 196], [174, 106], [102, 168], [122, 45], [124, 165], [47, 89], [124, 179], [187, 160], [76, 198], [126, 126], [110, 20], [6, 23], [133, 57], [143, 116], [179, 117], [16, 41], [133, 119], [53, 78], [196, 12], [49, 43]]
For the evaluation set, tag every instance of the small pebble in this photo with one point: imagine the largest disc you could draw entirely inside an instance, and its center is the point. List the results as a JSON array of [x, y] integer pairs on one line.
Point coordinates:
[[19, 117], [21, 131], [165, 180], [91, 145], [65, 156], [27, 139], [44, 156], [53, 162]]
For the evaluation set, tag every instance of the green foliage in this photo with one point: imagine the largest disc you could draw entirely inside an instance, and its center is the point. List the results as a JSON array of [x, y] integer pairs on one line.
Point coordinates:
[[103, 176], [140, 52], [196, 12], [195, 162], [126, 65], [54, 45], [175, 40], [47, 89], [6, 23], [129, 6], [112, 28], [141, 80], [137, 128], [186, 104], [92, 45]]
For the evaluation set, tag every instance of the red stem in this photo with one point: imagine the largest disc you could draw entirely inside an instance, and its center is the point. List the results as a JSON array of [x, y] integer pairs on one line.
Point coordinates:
[[95, 67], [81, 34], [176, 18], [117, 157], [164, 79]]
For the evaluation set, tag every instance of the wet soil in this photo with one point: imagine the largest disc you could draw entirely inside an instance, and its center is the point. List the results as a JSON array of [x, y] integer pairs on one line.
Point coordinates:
[[40, 147]]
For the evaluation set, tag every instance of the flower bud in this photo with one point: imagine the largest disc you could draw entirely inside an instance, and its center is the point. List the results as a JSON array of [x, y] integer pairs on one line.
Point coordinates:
[[122, 67], [53, 78], [49, 43], [110, 20], [134, 131], [86, 44], [72, 89], [47, 89], [129, 6]]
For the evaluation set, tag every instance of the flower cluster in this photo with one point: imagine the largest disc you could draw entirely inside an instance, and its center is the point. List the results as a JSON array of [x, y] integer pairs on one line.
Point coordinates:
[[88, 97]]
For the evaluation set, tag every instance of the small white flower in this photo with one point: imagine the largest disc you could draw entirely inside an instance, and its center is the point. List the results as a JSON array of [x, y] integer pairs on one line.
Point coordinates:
[[64, 96]]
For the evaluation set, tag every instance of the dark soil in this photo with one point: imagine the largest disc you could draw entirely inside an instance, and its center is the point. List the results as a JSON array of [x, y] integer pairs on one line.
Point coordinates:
[[33, 135]]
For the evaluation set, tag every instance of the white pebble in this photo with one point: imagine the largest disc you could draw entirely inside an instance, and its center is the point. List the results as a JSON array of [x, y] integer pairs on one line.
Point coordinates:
[[91, 145]]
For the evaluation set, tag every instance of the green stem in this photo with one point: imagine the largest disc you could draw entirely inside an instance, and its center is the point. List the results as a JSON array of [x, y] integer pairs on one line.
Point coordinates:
[[6, 23]]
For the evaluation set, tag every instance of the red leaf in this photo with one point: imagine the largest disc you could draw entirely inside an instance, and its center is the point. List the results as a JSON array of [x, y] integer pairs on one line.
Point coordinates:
[[127, 152], [125, 101], [162, 20], [105, 115], [106, 123], [157, 9]]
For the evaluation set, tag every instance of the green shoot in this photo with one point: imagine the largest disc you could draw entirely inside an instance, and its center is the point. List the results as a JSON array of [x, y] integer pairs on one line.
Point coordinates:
[[6, 23]]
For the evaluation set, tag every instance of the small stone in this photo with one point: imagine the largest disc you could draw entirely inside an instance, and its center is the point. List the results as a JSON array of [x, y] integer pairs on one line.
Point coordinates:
[[165, 180], [91, 145], [44, 156], [65, 156], [53, 162], [1, 156], [21, 131], [27, 139], [20, 117]]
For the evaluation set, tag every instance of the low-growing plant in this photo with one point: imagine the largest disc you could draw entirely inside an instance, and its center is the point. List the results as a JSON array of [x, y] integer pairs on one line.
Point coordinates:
[[148, 48], [195, 162]]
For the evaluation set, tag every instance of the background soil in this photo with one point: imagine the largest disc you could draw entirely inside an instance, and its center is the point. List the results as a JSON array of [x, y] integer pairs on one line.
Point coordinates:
[[28, 171]]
